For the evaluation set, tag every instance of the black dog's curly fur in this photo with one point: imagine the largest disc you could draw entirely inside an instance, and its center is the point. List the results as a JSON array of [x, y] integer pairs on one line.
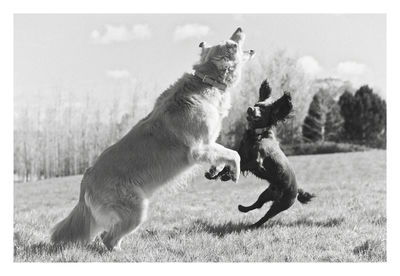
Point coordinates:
[[261, 155]]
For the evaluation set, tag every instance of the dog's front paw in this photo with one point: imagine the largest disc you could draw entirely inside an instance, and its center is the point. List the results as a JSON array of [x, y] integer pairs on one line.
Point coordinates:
[[226, 174], [226, 177], [212, 173]]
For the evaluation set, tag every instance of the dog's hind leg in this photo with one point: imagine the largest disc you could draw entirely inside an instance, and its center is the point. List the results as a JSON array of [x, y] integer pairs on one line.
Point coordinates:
[[278, 206], [129, 211], [131, 216], [265, 196]]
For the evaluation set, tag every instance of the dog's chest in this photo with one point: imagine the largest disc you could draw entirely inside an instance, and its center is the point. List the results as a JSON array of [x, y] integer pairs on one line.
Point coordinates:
[[221, 102], [220, 105], [224, 104]]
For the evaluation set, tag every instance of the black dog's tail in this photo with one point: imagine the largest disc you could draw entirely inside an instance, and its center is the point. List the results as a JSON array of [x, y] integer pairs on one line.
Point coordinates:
[[304, 197]]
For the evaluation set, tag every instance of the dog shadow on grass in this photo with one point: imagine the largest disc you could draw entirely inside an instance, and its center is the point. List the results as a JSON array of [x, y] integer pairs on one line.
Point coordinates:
[[230, 227], [47, 248]]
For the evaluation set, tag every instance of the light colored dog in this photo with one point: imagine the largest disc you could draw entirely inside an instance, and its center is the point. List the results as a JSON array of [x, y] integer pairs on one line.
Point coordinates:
[[180, 132]]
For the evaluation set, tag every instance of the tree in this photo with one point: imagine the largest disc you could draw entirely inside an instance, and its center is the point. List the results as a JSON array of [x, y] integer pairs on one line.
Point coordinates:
[[323, 121], [284, 74], [364, 115], [347, 106], [334, 123], [314, 123]]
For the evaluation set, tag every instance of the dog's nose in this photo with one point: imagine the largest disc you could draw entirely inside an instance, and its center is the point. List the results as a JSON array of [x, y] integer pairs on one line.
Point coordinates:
[[251, 52], [254, 112]]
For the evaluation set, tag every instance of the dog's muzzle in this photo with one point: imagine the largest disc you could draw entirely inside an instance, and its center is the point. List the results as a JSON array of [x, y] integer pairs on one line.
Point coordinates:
[[253, 112]]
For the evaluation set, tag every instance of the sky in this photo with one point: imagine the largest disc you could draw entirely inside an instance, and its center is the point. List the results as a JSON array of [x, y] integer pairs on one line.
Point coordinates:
[[102, 53]]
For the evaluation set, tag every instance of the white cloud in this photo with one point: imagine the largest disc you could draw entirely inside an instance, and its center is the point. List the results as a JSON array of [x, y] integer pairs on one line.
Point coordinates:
[[190, 30], [310, 65], [120, 33], [355, 72], [141, 31], [119, 74], [351, 68]]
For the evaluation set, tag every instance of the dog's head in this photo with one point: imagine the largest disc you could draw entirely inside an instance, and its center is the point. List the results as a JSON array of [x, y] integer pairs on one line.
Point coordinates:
[[267, 112], [223, 61]]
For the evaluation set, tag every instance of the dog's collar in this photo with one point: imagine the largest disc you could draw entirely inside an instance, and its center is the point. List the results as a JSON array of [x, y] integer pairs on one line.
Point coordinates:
[[259, 131], [206, 79]]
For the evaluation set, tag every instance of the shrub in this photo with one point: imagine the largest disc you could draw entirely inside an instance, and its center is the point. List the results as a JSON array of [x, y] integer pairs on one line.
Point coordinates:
[[321, 148]]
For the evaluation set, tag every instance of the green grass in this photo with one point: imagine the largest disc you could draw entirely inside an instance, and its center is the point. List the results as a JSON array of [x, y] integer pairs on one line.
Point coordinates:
[[200, 223]]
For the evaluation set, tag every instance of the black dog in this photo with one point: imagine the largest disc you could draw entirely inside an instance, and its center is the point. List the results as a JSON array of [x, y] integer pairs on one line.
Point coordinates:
[[261, 155]]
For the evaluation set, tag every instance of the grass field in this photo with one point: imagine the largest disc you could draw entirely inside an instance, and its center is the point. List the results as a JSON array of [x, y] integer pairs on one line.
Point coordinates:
[[200, 223]]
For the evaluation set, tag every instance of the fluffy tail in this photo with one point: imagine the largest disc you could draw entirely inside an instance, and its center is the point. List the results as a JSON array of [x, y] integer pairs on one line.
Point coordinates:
[[75, 227], [304, 197]]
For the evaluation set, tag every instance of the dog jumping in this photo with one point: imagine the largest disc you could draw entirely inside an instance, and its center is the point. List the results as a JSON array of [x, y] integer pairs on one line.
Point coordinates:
[[179, 133], [261, 155]]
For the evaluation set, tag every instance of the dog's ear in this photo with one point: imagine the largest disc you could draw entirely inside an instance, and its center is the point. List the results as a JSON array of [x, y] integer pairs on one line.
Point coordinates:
[[238, 36], [265, 91], [205, 51]]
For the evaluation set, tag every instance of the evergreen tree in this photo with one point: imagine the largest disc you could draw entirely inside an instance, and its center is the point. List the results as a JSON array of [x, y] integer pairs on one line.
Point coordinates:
[[314, 123], [347, 105], [334, 123], [365, 116], [323, 121]]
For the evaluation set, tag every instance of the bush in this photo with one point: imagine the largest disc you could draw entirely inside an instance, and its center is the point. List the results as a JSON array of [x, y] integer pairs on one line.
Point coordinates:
[[321, 148]]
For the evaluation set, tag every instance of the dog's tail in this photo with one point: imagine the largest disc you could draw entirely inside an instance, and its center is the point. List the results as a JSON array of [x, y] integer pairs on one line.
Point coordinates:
[[76, 226], [304, 197]]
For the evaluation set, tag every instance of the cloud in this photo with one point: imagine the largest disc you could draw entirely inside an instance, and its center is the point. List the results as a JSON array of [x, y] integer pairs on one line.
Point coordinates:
[[355, 72], [190, 31], [141, 31], [120, 33], [310, 65], [119, 74], [351, 68]]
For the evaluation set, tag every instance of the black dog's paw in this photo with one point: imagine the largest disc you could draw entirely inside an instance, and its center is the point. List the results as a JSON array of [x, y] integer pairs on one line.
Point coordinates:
[[225, 175], [208, 176], [212, 173]]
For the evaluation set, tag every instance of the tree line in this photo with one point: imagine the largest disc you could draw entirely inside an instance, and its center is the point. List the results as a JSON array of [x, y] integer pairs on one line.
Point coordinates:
[[358, 118], [65, 138]]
